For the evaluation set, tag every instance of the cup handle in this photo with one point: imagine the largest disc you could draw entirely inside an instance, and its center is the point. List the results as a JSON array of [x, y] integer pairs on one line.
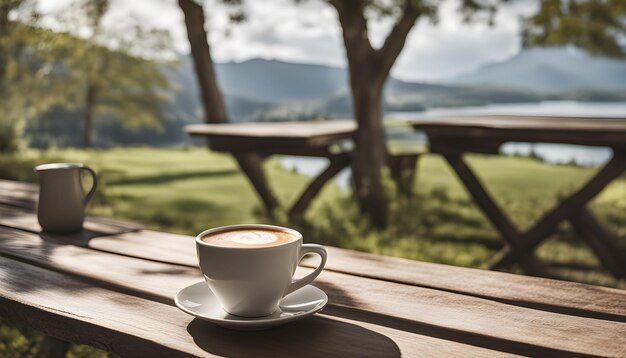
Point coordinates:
[[93, 187], [305, 249]]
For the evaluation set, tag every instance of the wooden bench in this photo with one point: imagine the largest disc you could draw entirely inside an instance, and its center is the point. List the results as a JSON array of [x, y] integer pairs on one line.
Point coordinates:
[[113, 286]]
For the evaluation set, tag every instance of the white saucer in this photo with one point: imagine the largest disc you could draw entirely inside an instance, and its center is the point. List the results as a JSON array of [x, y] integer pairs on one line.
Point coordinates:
[[198, 300]]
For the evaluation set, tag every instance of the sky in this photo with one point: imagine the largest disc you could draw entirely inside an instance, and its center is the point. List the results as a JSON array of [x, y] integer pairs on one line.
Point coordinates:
[[310, 33]]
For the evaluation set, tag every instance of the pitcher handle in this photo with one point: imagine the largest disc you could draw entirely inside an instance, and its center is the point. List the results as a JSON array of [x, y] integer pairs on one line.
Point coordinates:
[[93, 187]]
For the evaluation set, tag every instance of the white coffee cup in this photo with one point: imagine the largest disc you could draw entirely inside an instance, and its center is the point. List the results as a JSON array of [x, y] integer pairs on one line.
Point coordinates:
[[251, 281]]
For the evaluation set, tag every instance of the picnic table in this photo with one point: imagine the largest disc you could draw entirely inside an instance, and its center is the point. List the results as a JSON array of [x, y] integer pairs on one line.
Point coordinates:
[[112, 286], [254, 142], [330, 139], [453, 137]]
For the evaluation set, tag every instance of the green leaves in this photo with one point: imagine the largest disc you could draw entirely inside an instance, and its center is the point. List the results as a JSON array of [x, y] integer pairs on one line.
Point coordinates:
[[123, 64], [592, 25]]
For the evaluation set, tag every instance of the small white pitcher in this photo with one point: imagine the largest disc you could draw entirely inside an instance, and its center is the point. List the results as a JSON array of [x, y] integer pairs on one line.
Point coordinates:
[[62, 201]]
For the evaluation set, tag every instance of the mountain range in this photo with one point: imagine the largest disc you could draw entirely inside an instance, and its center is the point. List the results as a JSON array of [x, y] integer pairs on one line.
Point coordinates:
[[271, 90], [260, 89], [551, 69]]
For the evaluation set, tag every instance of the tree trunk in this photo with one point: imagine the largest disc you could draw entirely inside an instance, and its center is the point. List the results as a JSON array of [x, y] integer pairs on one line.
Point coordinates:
[[370, 151], [4, 34], [90, 102], [366, 83], [369, 68], [212, 101], [214, 108]]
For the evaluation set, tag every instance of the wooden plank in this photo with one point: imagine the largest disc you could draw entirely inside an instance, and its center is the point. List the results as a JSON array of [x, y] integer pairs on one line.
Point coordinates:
[[260, 136], [19, 194], [267, 149], [71, 309], [426, 311], [93, 226], [144, 244], [538, 293], [18, 201], [584, 131], [555, 123], [114, 270], [302, 129]]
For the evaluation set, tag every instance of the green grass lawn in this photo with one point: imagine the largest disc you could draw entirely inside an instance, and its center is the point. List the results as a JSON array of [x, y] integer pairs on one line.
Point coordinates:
[[188, 190]]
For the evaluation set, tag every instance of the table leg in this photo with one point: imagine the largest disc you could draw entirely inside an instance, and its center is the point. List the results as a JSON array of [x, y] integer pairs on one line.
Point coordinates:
[[337, 163], [52, 348], [493, 212], [602, 242], [403, 169], [250, 163], [574, 203]]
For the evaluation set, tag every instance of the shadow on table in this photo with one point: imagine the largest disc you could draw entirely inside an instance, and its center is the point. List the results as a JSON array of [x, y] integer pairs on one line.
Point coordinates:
[[21, 219], [167, 178], [312, 337]]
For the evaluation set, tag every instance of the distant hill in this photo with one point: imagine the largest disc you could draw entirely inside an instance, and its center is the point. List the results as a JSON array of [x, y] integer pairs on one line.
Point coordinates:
[[551, 69], [277, 81], [270, 90], [261, 89]]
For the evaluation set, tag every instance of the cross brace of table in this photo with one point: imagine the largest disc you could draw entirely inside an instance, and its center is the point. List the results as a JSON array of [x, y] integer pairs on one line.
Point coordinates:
[[402, 169], [521, 245], [246, 160]]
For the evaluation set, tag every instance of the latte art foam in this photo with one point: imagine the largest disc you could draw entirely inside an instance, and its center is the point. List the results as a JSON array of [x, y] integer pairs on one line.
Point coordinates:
[[249, 238]]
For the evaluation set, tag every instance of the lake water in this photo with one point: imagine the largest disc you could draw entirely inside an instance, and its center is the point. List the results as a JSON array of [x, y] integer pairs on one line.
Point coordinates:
[[553, 153]]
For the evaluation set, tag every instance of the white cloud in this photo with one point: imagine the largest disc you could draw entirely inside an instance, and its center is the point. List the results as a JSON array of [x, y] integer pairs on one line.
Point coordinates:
[[279, 29], [309, 32], [451, 47]]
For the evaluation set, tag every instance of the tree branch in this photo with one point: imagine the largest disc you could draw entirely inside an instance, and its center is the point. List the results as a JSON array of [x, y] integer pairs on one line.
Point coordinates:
[[354, 30], [214, 108], [394, 43]]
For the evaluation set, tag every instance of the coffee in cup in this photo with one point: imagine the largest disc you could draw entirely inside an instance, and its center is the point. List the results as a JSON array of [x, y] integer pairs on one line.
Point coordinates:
[[249, 238], [250, 268]]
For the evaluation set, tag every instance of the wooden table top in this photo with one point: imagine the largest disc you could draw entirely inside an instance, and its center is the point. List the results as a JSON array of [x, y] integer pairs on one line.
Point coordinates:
[[307, 134], [112, 286], [595, 131]]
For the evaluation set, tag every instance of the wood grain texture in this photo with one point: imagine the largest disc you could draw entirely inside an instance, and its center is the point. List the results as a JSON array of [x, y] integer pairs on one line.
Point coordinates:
[[556, 123], [19, 194], [436, 313], [25, 219], [278, 130], [18, 202], [71, 309], [568, 130], [539, 293], [278, 137]]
